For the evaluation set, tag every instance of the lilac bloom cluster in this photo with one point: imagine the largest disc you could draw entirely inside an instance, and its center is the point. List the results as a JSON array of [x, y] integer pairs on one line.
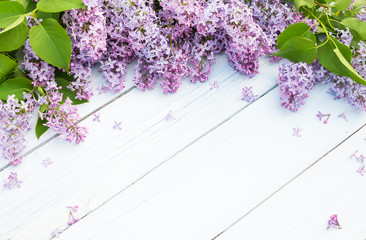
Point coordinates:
[[88, 33], [63, 118], [172, 39], [14, 122], [297, 79], [273, 16]]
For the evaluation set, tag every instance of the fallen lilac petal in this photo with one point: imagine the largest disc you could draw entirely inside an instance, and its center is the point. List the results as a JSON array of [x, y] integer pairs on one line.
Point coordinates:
[[117, 125], [343, 115], [297, 132], [96, 118], [361, 170], [73, 208], [46, 162], [169, 116], [333, 222], [213, 85]]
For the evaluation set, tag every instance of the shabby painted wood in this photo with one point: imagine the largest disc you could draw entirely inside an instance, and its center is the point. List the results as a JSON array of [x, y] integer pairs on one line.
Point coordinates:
[[229, 173], [92, 173]]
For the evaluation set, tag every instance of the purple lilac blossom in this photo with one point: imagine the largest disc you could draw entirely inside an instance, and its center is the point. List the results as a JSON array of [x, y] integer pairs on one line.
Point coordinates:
[[15, 118], [333, 222], [248, 94], [12, 181], [295, 81]]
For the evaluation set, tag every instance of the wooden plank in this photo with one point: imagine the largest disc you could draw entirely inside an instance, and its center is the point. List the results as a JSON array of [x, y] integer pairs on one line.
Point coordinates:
[[301, 210], [96, 102], [217, 180], [111, 160]]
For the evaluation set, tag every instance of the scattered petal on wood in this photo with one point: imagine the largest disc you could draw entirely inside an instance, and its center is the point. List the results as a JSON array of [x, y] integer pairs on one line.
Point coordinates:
[[169, 116], [343, 115], [333, 222], [214, 85], [321, 115], [96, 118], [297, 132], [117, 125], [12, 181], [46, 162]]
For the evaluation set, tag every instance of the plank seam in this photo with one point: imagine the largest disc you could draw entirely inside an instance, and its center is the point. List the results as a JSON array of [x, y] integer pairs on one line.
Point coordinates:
[[82, 119], [175, 154], [282, 187]]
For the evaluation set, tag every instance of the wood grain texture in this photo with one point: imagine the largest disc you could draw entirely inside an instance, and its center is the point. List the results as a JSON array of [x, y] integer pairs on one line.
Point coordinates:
[[227, 174], [301, 210], [97, 101], [110, 161]]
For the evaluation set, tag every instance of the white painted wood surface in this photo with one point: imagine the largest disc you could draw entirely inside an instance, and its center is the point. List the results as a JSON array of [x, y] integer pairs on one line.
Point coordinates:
[[223, 168]]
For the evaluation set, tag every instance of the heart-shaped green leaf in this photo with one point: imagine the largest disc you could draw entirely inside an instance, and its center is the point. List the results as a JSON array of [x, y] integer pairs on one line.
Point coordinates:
[[306, 3], [295, 30], [9, 12], [298, 49], [6, 66], [358, 28], [59, 5], [40, 128], [15, 86], [51, 43], [336, 57], [14, 38]]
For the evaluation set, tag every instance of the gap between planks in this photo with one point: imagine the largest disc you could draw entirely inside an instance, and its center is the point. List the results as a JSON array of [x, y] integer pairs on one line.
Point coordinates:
[[286, 184], [175, 154], [82, 119]]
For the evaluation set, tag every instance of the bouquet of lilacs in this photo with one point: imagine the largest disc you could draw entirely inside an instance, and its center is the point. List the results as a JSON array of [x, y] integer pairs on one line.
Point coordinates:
[[47, 50]]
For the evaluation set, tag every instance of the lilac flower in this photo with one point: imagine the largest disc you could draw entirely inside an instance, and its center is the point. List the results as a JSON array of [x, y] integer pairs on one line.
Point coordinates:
[[297, 132], [320, 117], [354, 155], [47, 162], [73, 208], [117, 125], [12, 181], [72, 219], [213, 85], [96, 118], [56, 233], [63, 118], [248, 94], [169, 116], [295, 81], [333, 222], [343, 115], [15, 118], [361, 170]]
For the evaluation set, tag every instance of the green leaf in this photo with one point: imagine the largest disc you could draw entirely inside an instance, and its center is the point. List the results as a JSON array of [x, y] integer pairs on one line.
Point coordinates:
[[29, 5], [14, 38], [40, 128], [11, 12], [306, 3], [336, 57], [341, 4], [15, 86], [51, 43], [44, 15], [295, 30], [59, 5], [67, 92], [358, 28], [61, 74], [6, 66], [298, 49]]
